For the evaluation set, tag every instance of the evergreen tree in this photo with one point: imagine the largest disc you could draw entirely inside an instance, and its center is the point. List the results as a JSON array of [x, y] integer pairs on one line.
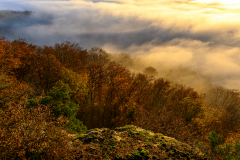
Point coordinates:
[[61, 105]]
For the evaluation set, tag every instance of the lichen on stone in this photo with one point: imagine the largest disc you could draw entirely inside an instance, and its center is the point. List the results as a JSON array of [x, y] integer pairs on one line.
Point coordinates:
[[132, 142]]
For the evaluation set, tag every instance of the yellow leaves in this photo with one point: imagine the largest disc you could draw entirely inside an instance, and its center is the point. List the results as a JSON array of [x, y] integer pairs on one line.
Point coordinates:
[[192, 105], [210, 121], [11, 90], [121, 82], [18, 139], [74, 80], [232, 137], [7, 60]]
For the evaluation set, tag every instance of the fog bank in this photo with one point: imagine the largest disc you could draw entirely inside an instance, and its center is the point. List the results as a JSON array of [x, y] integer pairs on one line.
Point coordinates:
[[199, 36]]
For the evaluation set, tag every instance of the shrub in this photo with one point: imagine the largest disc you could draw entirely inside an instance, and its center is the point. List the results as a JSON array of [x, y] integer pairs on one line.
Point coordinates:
[[75, 126], [214, 139], [61, 105], [32, 134]]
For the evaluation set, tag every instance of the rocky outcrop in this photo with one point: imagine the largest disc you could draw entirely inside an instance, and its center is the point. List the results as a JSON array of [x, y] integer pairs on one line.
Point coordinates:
[[131, 142]]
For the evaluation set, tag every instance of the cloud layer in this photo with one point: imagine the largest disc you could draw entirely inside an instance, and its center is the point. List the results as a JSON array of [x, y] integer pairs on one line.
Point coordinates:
[[166, 34]]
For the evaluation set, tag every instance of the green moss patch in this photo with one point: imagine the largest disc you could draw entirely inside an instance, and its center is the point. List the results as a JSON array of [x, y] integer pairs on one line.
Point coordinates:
[[131, 142]]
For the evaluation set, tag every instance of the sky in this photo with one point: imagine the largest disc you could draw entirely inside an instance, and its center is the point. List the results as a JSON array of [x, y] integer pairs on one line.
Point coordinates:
[[199, 35]]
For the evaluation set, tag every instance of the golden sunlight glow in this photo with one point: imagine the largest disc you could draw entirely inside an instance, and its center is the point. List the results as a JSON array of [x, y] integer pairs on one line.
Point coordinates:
[[228, 2]]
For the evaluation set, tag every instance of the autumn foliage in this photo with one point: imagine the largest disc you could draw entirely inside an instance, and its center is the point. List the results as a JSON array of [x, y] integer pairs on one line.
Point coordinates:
[[41, 85]]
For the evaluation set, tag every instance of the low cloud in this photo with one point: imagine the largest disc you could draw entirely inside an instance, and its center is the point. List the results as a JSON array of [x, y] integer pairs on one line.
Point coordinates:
[[166, 34]]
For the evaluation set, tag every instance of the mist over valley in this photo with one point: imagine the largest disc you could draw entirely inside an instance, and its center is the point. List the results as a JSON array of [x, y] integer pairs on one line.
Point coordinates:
[[171, 36]]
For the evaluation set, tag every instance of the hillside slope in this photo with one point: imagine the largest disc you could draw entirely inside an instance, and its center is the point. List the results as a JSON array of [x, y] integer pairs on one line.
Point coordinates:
[[131, 142]]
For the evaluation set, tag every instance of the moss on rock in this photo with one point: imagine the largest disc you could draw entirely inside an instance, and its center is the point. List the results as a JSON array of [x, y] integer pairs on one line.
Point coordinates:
[[132, 142]]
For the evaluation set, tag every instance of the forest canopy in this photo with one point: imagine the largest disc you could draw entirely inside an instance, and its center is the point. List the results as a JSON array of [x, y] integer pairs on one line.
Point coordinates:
[[76, 89]]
